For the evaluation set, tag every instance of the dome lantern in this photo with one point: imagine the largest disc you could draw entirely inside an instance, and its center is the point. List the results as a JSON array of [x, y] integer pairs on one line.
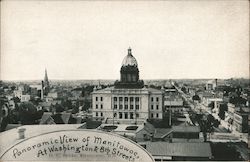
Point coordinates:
[[129, 60]]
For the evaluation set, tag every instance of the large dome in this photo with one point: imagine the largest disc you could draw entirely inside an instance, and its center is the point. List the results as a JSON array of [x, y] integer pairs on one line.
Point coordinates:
[[129, 60]]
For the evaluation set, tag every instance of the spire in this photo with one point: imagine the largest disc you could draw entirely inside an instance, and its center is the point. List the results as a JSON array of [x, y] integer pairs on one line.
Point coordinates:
[[46, 76], [46, 82]]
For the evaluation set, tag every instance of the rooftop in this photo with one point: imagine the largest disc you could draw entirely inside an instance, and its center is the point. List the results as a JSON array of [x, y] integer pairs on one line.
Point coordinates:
[[162, 132], [179, 149], [141, 90], [185, 128]]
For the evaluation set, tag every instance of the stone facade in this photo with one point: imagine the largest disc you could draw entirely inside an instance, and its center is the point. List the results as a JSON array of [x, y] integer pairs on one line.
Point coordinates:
[[128, 101], [127, 105]]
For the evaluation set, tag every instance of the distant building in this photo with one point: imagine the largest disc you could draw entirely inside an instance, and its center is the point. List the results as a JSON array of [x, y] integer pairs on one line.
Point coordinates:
[[53, 95], [18, 93], [173, 102], [11, 104], [211, 84], [128, 101], [25, 98], [36, 90]]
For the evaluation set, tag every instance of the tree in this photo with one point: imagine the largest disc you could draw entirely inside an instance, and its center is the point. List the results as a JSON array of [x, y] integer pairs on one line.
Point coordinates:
[[222, 109], [224, 152], [12, 88], [28, 113], [196, 97], [237, 100], [16, 100], [75, 109], [67, 104], [206, 126], [59, 108], [211, 105], [183, 89], [86, 105]]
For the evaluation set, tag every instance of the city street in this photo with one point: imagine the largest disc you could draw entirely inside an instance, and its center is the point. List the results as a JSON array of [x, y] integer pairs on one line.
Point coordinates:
[[221, 134]]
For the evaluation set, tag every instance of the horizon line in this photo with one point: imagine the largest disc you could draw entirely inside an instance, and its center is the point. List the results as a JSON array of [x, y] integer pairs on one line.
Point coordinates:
[[118, 79]]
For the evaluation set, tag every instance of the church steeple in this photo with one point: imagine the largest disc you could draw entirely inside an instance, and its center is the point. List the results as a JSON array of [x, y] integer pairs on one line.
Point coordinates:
[[46, 82], [46, 76]]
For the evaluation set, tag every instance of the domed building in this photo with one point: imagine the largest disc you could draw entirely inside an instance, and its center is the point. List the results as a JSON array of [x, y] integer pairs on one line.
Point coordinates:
[[128, 101], [129, 73]]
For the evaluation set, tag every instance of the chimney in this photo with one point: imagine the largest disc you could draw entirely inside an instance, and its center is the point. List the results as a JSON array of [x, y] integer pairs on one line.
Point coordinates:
[[21, 133]]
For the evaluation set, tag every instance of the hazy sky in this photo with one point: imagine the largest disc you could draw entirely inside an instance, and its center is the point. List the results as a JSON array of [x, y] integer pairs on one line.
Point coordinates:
[[88, 40]]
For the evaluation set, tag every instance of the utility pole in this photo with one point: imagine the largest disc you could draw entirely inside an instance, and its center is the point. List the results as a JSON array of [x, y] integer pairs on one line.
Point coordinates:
[[170, 110], [112, 106], [135, 116]]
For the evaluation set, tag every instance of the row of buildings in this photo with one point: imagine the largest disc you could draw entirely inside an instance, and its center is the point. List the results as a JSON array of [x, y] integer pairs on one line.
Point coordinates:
[[218, 98]]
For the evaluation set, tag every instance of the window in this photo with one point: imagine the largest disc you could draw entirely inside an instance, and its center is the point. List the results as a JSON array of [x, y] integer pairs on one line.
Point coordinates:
[[96, 114], [115, 106], [96, 106], [120, 106], [157, 99], [131, 115], [137, 99], [115, 114], [131, 99], [137, 115], [126, 115], [152, 99], [115, 98], [132, 107], [126, 98], [101, 106], [152, 115], [152, 107], [101, 98], [157, 107], [137, 107], [101, 114], [126, 107], [120, 98], [120, 115], [96, 98], [157, 115]]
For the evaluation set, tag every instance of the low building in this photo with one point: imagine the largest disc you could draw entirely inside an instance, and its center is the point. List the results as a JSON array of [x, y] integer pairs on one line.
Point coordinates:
[[174, 102], [240, 121], [53, 95], [186, 134], [165, 151], [18, 93], [25, 98], [11, 104], [211, 84]]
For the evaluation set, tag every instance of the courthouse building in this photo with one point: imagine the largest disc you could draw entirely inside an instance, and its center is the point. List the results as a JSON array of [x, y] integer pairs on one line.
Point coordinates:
[[128, 101]]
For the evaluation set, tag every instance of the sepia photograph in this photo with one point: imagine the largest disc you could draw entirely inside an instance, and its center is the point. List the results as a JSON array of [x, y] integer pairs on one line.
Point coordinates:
[[124, 81]]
